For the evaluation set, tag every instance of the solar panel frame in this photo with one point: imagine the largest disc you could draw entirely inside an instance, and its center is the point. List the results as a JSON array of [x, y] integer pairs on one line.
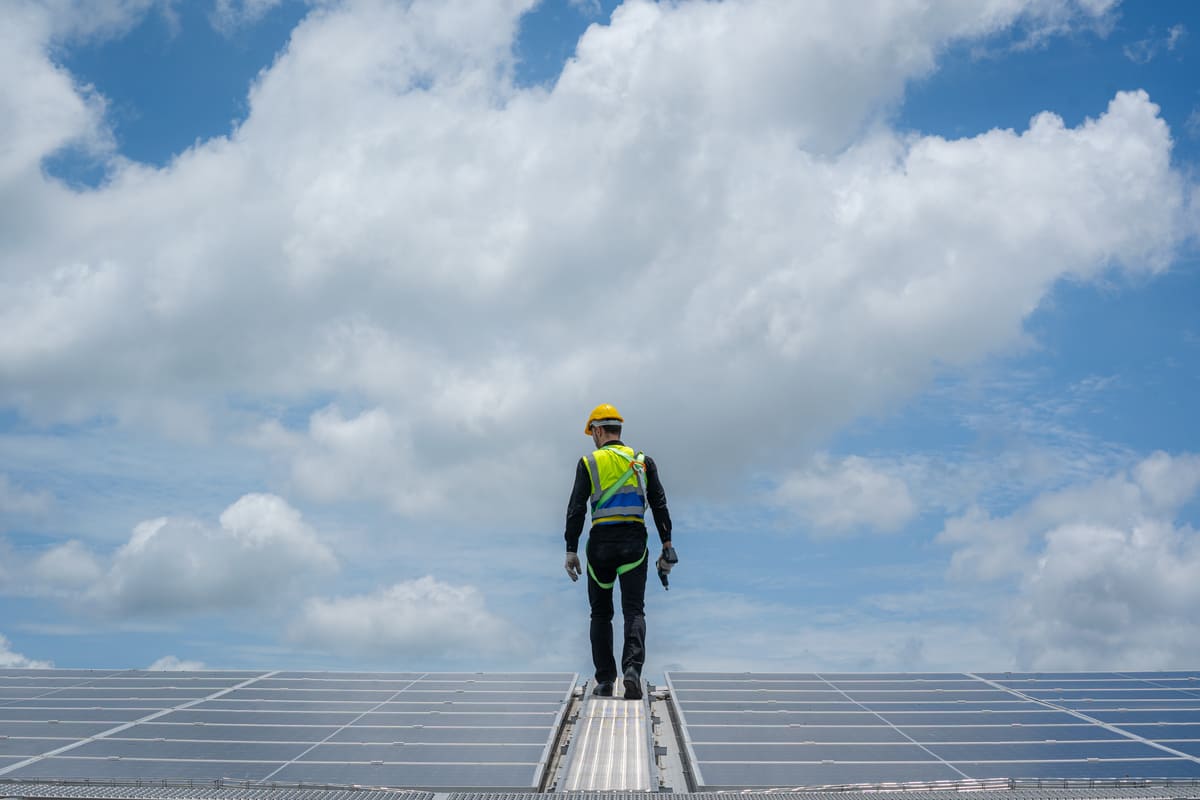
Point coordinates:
[[1030, 720], [175, 734]]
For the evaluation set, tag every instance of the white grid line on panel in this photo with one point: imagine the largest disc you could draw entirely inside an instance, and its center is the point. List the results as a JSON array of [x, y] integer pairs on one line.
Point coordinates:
[[128, 725], [1094, 721], [1192, 692], [902, 733], [342, 728], [60, 689]]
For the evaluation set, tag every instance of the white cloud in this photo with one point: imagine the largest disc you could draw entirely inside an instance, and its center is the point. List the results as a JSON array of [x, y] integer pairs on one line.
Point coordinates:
[[398, 228], [174, 664], [260, 554], [11, 660], [69, 566], [846, 495], [1143, 51], [229, 15], [1101, 573], [418, 620], [261, 549]]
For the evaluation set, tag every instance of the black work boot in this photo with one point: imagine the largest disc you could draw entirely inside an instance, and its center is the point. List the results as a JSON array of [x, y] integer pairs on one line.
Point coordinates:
[[603, 689], [633, 685]]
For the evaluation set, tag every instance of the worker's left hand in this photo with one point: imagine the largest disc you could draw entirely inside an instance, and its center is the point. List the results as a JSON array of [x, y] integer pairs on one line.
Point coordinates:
[[574, 568]]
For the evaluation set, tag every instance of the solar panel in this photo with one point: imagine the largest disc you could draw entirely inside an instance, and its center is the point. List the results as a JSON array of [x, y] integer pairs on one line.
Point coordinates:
[[789, 730], [418, 730]]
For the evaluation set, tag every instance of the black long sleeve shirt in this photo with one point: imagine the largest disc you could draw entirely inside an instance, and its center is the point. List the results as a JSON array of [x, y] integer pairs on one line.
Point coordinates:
[[581, 492]]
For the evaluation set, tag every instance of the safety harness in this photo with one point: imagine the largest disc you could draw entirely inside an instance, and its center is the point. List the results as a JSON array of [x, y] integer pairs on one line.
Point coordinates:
[[637, 467]]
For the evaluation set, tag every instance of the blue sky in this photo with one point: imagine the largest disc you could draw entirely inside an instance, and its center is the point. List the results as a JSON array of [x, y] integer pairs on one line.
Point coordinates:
[[903, 302]]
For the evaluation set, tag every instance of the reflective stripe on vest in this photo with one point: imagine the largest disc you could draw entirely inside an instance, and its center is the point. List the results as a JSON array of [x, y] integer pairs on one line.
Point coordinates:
[[617, 466]]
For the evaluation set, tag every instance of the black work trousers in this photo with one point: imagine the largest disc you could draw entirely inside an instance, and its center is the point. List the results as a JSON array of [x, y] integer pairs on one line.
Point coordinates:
[[606, 551]]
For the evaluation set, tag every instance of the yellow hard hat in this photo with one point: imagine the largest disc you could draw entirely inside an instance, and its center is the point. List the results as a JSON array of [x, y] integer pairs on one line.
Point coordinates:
[[604, 411]]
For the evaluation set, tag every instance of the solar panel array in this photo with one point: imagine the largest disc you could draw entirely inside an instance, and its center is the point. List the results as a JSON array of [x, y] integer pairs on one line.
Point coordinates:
[[792, 730], [416, 730]]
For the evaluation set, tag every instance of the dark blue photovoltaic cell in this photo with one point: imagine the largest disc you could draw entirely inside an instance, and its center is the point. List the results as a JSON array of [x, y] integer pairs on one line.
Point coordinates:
[[1126, 705], [200, 716], [1012, 678], [468, 705], [426, 753], [21, 693], [805, 718], [429, 735], [811, 752], [794, 733], [783, 718], [230, 733], [1043, 686], [346, 676], [288, 705], [1158, 768], [1143, 717], [1015, 705], [1048, 717], [1010, 733], [744, 696], [819, 686], [502, 777], [306, 684], [1106, 694], [1191, 748], [310, 695], [124, 769], [1045, 751], [147, 706], [1164, 732], [743, 776], [912, 686], [84, 694], [115, 716], [58, 674], [755, 676], [53, 730], [209, 751], [30, 747], [1157, 676], [839, 677], [979, 696], [816, 708]]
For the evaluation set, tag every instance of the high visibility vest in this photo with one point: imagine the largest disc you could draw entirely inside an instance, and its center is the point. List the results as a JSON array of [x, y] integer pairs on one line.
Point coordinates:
[[618, 484]]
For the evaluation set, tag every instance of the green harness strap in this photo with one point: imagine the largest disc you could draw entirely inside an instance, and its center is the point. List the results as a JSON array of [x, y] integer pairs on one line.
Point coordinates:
[[621, 570]]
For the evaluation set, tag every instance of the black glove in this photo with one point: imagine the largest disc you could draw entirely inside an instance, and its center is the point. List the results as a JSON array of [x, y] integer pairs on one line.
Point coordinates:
[[667, 560]]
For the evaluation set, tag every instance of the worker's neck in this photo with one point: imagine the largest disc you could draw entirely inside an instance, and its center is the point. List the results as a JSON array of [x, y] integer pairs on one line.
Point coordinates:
[[601, 441]]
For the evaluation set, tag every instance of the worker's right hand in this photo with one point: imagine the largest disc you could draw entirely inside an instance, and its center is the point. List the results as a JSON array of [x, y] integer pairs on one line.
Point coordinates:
[[668, 559], [574, 568]]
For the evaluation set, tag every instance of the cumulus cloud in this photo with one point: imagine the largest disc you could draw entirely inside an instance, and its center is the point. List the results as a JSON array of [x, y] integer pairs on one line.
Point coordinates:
[[397, 227], [1101, 573], [260, 552], [11, 660], [837, 496], [419, 620], [174, 664], [260, 548]]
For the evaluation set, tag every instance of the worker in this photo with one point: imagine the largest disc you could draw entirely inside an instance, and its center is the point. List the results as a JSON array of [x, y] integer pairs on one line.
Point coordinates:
[[618, 483]]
